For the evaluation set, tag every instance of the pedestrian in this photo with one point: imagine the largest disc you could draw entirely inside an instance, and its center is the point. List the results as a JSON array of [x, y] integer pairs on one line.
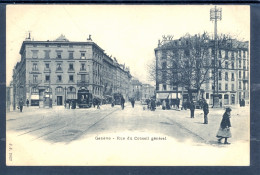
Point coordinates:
[[133, 102], [240, 102], [178, 103], [224, 130], [220, 104], [192, 109], [206, 111], [98, 104], [113, 103], [27, 103], [122, 103], [21, 105], [153, 105], [94, 102], [163, 105]]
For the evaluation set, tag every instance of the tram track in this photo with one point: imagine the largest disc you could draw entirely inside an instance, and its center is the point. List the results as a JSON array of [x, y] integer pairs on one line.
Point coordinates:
[[72, 121], [92, 125], [186, 129]]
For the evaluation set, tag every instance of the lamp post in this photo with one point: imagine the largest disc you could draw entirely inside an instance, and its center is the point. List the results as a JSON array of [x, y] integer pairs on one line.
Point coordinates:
[[215, 15]]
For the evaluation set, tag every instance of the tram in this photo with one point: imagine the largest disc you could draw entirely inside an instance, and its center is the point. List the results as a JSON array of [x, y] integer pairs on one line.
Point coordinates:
[[85, 98], [117, 98]]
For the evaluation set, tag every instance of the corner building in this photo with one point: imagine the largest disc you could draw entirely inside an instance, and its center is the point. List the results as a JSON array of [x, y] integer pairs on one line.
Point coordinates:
[[232, 76], [51, 72]]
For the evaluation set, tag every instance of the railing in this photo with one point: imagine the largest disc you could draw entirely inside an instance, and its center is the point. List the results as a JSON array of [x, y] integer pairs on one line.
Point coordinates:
[[82, 83]]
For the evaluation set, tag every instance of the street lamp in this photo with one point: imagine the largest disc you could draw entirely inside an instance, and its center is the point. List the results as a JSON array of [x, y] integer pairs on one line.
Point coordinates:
[[215, 15]]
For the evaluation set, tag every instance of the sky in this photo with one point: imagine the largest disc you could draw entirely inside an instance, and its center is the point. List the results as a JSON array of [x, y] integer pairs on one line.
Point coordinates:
[[128, 32]]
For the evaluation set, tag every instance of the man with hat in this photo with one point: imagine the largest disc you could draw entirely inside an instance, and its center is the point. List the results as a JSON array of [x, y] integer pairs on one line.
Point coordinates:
[[224, 130]]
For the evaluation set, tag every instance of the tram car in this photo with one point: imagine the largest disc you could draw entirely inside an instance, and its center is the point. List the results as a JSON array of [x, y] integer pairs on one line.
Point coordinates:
[[117, 98], [85, 98]]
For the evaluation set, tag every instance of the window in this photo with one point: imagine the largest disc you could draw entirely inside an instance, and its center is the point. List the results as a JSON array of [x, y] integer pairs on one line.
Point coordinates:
[[83, 78], [164, 87], [226, 54], [71, 78], [59, 78], [226, 87], [34, 53], [35, 78], [46, 54], [219, 54], [59, 90], [70, 55], [35, 67], [58, 67], [207, 95], [232, 87], [226, 76], [239, 85], [83, 55], [219, 63], [83, 67], [164, 65], [239, 64], [35, 90], [59, 55], [244, 75], [239, 75], [232, 65], [244, 64], [47, 78], [219, 75], [232, 55], [232, 77], [219, 87], [226, 64], [71, 66]]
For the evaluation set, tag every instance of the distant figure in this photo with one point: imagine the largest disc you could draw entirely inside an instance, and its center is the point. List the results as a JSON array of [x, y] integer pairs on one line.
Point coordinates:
[[167, 104], [206, 111], [122, 103], [98, 104], [27, 103], [113, 103], [220, 103], [192, 109], [163, 105], [21, 105], [133, 102], [153, 107], [224, 130], [240, 102], [94, 102], [178, 103]]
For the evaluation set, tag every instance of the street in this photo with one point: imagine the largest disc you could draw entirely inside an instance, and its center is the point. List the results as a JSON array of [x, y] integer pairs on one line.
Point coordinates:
[[67, 127]]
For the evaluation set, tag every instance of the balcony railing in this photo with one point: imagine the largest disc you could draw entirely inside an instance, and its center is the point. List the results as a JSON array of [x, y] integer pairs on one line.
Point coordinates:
[[82, 83]]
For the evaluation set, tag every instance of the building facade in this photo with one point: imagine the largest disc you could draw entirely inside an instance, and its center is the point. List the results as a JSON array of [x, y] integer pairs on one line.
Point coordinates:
[[230, 82], [51, 72], [148, 91]]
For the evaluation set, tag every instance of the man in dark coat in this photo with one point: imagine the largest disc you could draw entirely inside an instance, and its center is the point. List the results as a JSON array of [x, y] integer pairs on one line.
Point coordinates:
[[27, 103], [192, 109], [178, 103], [206, 111], [224, 130], [21, 105], [123, 103], [133, 102]]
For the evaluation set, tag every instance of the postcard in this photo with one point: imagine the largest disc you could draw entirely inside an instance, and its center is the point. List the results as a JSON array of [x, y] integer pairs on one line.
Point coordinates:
[[128, 85]]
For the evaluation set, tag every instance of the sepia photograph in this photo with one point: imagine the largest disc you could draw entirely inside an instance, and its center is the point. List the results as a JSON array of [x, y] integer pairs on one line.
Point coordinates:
[[127, 85]]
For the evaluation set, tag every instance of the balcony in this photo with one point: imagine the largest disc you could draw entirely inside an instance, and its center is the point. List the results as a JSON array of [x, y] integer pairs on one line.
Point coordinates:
[[46, 70], [59, 81], [35, 82], [82, 83], [83, 69]]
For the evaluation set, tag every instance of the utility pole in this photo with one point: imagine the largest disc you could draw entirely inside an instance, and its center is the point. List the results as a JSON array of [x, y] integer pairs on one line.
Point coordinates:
[[215, 15]]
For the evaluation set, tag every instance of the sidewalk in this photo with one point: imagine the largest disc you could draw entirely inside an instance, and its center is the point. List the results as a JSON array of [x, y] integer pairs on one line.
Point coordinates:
[[240, 122]]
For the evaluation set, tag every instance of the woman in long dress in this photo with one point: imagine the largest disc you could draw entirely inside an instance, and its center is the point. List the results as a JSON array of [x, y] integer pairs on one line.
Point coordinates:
[[224, 130]]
